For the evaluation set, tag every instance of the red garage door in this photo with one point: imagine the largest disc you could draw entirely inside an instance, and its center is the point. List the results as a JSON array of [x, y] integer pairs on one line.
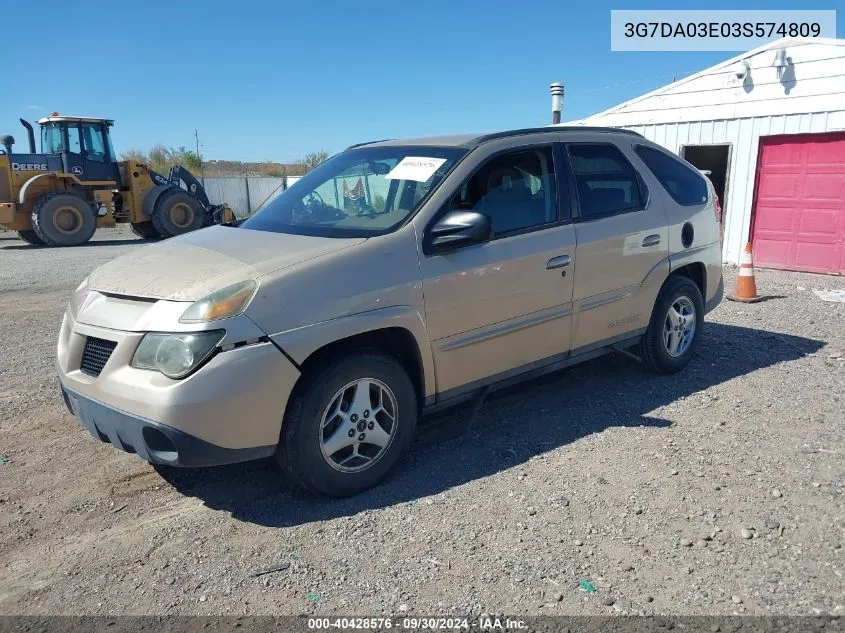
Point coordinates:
[[799, 205]]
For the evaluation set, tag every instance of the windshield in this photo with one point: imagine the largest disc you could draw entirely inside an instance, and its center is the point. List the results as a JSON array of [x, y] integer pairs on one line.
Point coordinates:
[[361, 192], [51, 139]]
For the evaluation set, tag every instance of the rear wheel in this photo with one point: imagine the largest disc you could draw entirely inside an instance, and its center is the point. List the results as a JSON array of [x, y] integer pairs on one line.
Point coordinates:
[[675, 327], [30, 237], [63, 219], [349, 424], [145, 230], [177, 212]]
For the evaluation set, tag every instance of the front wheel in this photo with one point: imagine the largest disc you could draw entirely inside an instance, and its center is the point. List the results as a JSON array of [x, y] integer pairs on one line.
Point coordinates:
[[349, 424], [675, 327]]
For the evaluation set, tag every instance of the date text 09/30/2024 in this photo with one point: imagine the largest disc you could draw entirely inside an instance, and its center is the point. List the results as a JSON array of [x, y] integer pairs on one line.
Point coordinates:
[[483, 623]]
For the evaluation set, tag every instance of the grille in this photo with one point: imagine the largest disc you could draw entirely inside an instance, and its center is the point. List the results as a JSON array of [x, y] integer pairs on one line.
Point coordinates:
[[95, 355]]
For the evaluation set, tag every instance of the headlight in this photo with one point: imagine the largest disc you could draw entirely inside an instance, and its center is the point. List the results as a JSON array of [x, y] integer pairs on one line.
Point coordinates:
[[175, 355], [222, 304], [78, 297]]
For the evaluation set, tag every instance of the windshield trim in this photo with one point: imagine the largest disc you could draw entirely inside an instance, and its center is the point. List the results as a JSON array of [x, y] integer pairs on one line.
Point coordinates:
[[344, 232]]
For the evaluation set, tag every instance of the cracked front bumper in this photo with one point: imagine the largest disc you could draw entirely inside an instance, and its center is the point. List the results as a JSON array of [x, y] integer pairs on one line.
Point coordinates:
[[230, 409], [156, 443]]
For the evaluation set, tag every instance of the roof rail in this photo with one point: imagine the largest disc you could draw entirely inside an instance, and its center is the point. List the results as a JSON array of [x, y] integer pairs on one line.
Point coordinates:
[[553, 128], [381, 140]]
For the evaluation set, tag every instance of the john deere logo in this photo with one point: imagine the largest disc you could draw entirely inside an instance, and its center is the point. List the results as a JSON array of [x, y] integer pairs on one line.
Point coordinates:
[[29, 166], [76, 171]]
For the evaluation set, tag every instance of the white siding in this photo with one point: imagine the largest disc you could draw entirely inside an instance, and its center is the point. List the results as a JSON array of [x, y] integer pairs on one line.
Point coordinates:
[[815, 82]]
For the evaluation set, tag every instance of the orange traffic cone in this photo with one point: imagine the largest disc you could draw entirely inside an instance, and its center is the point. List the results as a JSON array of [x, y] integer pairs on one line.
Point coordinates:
[[746, 287]]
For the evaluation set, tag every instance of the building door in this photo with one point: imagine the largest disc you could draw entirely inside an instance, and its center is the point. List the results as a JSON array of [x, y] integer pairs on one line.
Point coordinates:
[[798, 217]]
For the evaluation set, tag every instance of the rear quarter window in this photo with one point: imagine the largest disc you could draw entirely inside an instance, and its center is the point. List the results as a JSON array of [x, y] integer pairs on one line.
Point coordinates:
[[686, 186], [606, 182]]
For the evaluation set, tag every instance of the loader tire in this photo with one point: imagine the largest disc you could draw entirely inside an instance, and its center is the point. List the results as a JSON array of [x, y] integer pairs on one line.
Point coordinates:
[[63, 219], [177, 212], [145, 230], [30, 237]]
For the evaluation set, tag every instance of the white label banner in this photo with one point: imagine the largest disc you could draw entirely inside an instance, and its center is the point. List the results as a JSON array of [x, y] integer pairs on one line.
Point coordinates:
[[417, 168], [714, 30]]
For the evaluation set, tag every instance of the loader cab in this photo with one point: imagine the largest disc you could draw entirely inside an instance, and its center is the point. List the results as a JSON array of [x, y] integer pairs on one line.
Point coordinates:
[[84, 145]]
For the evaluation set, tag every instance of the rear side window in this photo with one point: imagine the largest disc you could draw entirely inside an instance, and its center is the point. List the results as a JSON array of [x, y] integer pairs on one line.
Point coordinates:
[[606, 181], [686, 186]]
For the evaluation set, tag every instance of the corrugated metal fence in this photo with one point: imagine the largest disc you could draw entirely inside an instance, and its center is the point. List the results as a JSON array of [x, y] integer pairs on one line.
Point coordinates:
[[245, 194]]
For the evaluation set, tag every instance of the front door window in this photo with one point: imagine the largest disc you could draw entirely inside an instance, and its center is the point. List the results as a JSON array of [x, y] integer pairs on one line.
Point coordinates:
[[51, 139], [516, 191]]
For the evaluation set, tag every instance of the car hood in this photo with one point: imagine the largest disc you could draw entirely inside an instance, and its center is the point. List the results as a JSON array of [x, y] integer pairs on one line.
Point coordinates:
[[191, 266]]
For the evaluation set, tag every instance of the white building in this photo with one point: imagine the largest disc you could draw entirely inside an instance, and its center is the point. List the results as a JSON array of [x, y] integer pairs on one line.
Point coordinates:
[[770, 126]]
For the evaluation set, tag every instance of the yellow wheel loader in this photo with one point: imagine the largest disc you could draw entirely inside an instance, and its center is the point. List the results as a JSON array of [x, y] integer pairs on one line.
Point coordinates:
[[60, 196]]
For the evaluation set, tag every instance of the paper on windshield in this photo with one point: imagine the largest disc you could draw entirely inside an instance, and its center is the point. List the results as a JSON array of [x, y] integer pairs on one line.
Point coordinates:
[[417, 168]]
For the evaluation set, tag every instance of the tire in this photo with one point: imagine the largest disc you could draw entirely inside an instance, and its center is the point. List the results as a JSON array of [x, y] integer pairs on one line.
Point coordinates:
[[300, 451], [177, 212], [63, 219], [145, 230], [677, 292], [30, 237]]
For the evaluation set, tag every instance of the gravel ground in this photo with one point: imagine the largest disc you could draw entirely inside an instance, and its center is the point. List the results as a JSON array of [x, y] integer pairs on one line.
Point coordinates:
[[715, 491]]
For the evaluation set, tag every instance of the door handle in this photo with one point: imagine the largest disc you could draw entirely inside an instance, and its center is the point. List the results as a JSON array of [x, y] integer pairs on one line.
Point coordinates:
[[651, 240], [558, 262]]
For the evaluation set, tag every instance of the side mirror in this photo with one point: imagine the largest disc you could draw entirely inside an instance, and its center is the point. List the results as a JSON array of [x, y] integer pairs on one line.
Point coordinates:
[[460, 228]]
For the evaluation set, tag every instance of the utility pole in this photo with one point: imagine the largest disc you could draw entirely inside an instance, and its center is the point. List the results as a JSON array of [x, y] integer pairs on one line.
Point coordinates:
[[199, 156], [246, 187]]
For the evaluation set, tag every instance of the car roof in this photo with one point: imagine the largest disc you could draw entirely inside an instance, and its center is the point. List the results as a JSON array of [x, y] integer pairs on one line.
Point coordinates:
[[474, 140]]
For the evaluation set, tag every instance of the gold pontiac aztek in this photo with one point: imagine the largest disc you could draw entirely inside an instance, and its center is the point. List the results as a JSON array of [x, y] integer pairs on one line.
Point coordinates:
[[396, 277]]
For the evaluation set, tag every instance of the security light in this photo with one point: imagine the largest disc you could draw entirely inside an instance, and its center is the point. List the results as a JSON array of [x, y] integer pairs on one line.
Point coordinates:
[[781, 61]]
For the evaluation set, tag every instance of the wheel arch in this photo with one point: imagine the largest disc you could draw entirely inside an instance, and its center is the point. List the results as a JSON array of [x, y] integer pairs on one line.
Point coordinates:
[[398, 332], [70, 184], [697, 272], [396, 342]]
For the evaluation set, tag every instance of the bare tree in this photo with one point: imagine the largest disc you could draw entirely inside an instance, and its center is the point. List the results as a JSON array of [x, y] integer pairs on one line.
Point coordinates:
[[158, 155], [312, 159], [134, 154]]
